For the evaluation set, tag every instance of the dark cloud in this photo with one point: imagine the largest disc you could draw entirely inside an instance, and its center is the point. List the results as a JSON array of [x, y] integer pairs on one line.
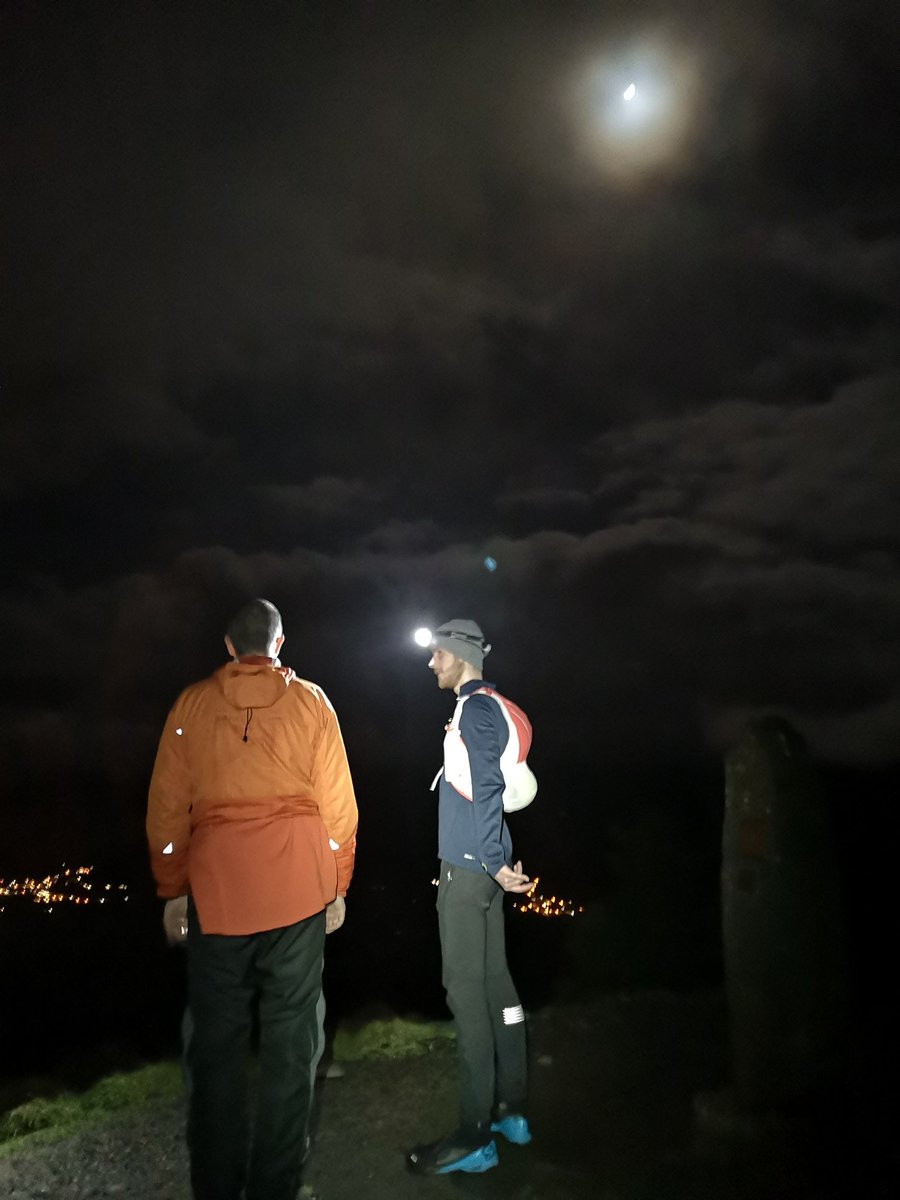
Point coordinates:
[[545, 505], [326, 499], [819, 475], [57, 428]]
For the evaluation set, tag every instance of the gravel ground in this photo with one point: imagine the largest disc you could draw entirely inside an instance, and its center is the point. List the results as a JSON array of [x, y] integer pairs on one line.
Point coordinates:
[[614, 1085]]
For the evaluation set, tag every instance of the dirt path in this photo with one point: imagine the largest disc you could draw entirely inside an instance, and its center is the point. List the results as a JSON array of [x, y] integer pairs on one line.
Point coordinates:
[[611, 1092]]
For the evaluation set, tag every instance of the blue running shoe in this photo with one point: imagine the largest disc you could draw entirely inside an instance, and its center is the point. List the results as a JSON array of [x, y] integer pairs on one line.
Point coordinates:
[[470, 1149], [475, 1163], [514, 1129]]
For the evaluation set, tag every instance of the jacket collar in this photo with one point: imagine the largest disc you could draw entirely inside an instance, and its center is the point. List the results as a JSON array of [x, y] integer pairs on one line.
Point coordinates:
[[472, 685]]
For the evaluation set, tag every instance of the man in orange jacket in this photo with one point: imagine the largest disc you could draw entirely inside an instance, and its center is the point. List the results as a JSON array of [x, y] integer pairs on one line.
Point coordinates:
[[251, 824]]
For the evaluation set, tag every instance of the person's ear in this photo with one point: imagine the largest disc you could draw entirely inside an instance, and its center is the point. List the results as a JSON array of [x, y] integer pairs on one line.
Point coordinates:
[[230, 647], [279, 642]]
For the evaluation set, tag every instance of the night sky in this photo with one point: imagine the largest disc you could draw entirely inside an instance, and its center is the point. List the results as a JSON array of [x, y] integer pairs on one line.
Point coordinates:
[[331, 302]]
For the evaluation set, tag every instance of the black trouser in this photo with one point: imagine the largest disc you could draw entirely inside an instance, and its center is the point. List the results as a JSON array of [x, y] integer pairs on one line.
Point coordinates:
[[490, 1024], [281, 969]]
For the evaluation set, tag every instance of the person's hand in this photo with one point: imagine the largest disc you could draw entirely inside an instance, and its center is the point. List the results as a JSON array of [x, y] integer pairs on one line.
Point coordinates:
[[175, 920], [512, 879], [335, 913]]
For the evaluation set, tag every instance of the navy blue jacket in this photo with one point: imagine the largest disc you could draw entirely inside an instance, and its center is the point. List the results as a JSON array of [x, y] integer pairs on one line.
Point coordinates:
[[473, 833]]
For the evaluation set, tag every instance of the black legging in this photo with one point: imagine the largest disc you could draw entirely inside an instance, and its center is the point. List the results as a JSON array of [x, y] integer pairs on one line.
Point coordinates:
[[490, 1024]]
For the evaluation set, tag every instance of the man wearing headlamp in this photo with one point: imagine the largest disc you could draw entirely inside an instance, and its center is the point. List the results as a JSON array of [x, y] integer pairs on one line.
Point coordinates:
[[477, 868]]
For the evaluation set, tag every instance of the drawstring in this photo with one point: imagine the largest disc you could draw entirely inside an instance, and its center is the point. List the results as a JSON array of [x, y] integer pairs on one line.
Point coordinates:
[[249, 719]]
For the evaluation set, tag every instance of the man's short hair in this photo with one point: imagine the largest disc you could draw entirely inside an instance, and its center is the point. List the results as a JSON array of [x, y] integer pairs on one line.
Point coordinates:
[[255, 628]]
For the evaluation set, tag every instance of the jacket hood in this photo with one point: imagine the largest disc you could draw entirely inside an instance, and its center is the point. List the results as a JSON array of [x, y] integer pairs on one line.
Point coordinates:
[[251, 685]]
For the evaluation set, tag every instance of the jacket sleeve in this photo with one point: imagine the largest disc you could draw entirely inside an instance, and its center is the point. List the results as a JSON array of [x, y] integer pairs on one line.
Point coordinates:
[[169, 809], [485, 740], [333, 790]]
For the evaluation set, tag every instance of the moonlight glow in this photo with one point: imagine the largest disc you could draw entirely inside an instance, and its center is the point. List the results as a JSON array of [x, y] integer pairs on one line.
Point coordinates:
[[640, 107]]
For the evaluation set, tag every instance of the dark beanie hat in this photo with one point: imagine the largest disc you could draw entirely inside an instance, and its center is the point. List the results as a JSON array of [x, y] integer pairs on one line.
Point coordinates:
[[463, 639]]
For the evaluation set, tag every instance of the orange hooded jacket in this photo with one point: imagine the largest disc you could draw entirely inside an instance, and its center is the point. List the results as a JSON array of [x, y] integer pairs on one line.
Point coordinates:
[[251, 806]]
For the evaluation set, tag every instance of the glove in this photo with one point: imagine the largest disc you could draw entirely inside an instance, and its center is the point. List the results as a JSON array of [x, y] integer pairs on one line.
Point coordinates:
[[175, 921]]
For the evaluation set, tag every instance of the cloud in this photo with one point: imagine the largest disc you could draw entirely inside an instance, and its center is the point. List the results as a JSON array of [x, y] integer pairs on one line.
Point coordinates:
[[822, 473], [325, 498], [638, 619], [545, 504], [648, 639], [842, 257], [58, 426], [404, 537]]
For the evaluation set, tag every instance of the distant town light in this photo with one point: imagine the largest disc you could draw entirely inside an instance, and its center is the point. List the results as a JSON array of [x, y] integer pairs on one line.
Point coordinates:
[[46, 891], [540, 906]]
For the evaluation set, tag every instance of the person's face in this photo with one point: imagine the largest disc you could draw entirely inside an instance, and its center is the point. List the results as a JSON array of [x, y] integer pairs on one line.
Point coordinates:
[[447, 669]]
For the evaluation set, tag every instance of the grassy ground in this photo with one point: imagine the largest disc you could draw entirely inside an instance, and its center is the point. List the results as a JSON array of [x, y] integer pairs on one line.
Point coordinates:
[[48, 1118]]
